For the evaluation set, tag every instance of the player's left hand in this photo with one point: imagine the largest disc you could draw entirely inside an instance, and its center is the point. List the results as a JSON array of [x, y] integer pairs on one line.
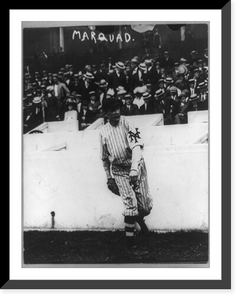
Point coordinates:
[[133, 177]]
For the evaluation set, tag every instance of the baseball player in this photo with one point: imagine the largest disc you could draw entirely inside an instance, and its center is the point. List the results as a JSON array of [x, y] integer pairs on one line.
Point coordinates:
[[121, 153]]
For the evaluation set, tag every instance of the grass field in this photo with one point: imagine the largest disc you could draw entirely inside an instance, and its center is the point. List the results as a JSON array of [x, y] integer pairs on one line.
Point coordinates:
[[108, 247]]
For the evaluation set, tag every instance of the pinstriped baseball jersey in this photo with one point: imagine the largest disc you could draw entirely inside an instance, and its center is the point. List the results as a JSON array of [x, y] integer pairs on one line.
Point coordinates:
[[117, 143]]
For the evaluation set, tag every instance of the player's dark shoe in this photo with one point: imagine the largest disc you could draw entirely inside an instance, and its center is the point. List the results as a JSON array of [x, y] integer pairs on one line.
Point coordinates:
[[143, 226]]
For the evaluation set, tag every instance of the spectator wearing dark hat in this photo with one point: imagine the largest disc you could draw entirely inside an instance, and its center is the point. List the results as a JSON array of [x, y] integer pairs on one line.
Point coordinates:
[[71, 114], [136, 75], [167, 62], [181, 116], [138, 95], [69, 82], [61, 92], [85, 117], [117, 78], [203, 96], [129, 108], [181, 83], [94, 105], [52, 104], [194, 59], [50, 79], [77, 84], [103, 73]]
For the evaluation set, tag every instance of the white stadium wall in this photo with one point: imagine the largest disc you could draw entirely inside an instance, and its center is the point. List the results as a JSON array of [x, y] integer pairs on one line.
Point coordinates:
[[71, 182]]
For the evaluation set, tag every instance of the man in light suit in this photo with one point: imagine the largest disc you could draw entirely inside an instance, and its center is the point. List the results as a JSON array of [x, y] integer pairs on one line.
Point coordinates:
[[61, 92]]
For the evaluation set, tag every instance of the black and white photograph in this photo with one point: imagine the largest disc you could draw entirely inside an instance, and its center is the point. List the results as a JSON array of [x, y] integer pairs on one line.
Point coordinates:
[[119, 149], [115, 123]]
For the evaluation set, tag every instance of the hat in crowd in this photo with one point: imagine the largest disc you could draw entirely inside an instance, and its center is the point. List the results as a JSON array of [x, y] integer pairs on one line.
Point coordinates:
[[70, 100], [128, 97], [161, 80], [55, 75], [89, 75], [169, 80], [110, 104], [103, 83], [202, 85], [193, 52], [92, 93], [49, 88], [166, 52], [85, 103], [183, 60], [120, 65], [192, 80], [140, 89], [205, 69], [148, 62], [135, 60], [159, 93], [196, 70], [78, 96], [194, 97], [183, 93], [146, 96], [36, 100], [142, 66], [173, 89], [121, 92]]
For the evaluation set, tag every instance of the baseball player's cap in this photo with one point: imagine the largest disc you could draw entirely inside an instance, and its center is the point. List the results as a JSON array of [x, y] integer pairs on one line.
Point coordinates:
[[110, 104]]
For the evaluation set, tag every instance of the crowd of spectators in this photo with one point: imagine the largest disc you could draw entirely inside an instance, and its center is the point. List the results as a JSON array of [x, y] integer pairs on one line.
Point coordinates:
[[143, 86]]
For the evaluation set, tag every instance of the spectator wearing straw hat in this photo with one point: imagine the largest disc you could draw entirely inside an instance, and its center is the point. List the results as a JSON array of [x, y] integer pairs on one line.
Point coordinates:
[[87, 85], [147, 107], [160, 102], [102, 90], [37, 117], [143, 73], [129, 108], [194, 102], [117, 78]]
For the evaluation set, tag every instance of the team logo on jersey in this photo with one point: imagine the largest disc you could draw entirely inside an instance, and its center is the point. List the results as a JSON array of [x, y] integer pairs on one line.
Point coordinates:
[[134, 136]]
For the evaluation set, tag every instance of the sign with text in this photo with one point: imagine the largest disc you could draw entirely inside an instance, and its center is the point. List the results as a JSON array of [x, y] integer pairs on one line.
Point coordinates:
[[79, 39]]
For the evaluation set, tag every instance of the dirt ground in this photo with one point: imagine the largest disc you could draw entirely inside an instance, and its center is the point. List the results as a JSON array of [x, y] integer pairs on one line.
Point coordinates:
[[108, 247]]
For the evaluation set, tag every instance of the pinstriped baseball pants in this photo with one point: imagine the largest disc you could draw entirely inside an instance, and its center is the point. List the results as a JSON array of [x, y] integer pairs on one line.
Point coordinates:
[[136, 200]]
